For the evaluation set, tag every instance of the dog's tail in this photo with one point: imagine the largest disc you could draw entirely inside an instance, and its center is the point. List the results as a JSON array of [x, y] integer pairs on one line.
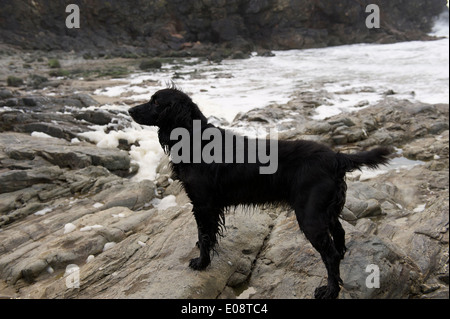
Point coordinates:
[[372, 159]]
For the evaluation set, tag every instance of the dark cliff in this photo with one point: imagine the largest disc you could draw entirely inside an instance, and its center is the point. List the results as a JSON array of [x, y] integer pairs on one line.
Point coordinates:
[[159, 26]]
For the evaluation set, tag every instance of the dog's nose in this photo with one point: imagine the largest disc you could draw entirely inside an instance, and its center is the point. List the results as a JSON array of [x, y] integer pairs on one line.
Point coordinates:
[[131, 111]]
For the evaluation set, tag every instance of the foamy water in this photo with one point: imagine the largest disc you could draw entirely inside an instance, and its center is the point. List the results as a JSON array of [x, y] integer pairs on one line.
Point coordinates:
[[350, 74]]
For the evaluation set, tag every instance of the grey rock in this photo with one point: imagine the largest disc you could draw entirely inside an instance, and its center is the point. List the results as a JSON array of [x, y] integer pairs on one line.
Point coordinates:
[[96, 117], [293, 269], [85, 99], [339, 139], [37, 81], [359, 208], [17, 179], [64, 154], [150, 64], [5, 93]]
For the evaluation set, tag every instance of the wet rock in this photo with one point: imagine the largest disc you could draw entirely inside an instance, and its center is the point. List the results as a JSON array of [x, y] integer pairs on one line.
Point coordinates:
[[429, 148], [265, 53], [293, 269], [14, 81], [265, 115], [150, 64], [37, 81], [11, 102], [96, 117], [216, 56], [144, 240], [85, 99], [65, 154], [61, 117], [339, 139], [18, 179], [237, 55], [5, 93], [360, 208]]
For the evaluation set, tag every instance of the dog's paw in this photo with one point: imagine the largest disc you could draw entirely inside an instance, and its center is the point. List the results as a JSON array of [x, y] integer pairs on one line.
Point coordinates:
[[325, 293], [197, 264]]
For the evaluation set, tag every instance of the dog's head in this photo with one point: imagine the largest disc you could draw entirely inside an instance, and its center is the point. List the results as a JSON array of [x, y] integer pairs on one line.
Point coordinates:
[[167, 109]]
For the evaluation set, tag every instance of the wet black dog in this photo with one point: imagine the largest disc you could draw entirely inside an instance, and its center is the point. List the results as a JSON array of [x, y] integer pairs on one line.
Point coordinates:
[[310, 178]]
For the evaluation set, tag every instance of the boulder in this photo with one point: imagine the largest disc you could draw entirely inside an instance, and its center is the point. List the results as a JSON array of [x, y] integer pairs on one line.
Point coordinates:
[[289, 267], [64, 154]]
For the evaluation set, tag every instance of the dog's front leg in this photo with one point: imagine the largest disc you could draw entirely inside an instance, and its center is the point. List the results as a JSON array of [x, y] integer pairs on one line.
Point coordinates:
[[207, 225]]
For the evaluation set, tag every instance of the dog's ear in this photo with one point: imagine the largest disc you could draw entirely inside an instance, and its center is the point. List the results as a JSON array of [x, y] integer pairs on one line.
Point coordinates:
[[177, 114], [179, 111], [164, 140]]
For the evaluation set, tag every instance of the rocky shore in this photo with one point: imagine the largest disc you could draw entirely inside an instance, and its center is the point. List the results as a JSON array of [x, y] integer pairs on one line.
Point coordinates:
[[65, 203], [198, 28]]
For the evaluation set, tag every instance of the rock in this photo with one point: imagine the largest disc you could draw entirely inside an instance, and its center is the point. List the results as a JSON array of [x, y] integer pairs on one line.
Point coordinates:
[[144, 240], [265, 53], [436, 128], [14, 81], [85, 99], [18, 179], [216, 57], [131, 195], [49, 102], [5, 93], [265, 115], [60, 117], [96, 117], [345, 121], [12, 102], [428, 148], [37, 81], [239, 55], [150, 64], [65, 154], [339, 139], [291, 268]]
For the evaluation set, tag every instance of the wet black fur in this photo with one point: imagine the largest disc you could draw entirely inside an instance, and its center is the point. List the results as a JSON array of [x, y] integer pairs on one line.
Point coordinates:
[[310, 179]]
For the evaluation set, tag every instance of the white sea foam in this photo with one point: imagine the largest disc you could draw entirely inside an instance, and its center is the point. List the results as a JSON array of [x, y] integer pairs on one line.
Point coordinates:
[[166, 202], [41, 135], [69, 227], [43, 211]]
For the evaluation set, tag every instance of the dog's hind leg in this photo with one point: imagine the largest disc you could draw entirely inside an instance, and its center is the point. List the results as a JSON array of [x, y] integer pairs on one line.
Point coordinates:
[[313, 221], [334, 210], [208, 228], [338, 234]]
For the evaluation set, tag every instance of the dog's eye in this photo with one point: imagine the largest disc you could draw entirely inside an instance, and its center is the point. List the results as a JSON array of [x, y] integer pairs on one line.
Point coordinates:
[[155, 102]]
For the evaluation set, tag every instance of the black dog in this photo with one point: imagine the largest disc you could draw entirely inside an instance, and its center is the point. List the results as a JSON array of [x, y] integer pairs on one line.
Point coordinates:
[[310, 178]]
